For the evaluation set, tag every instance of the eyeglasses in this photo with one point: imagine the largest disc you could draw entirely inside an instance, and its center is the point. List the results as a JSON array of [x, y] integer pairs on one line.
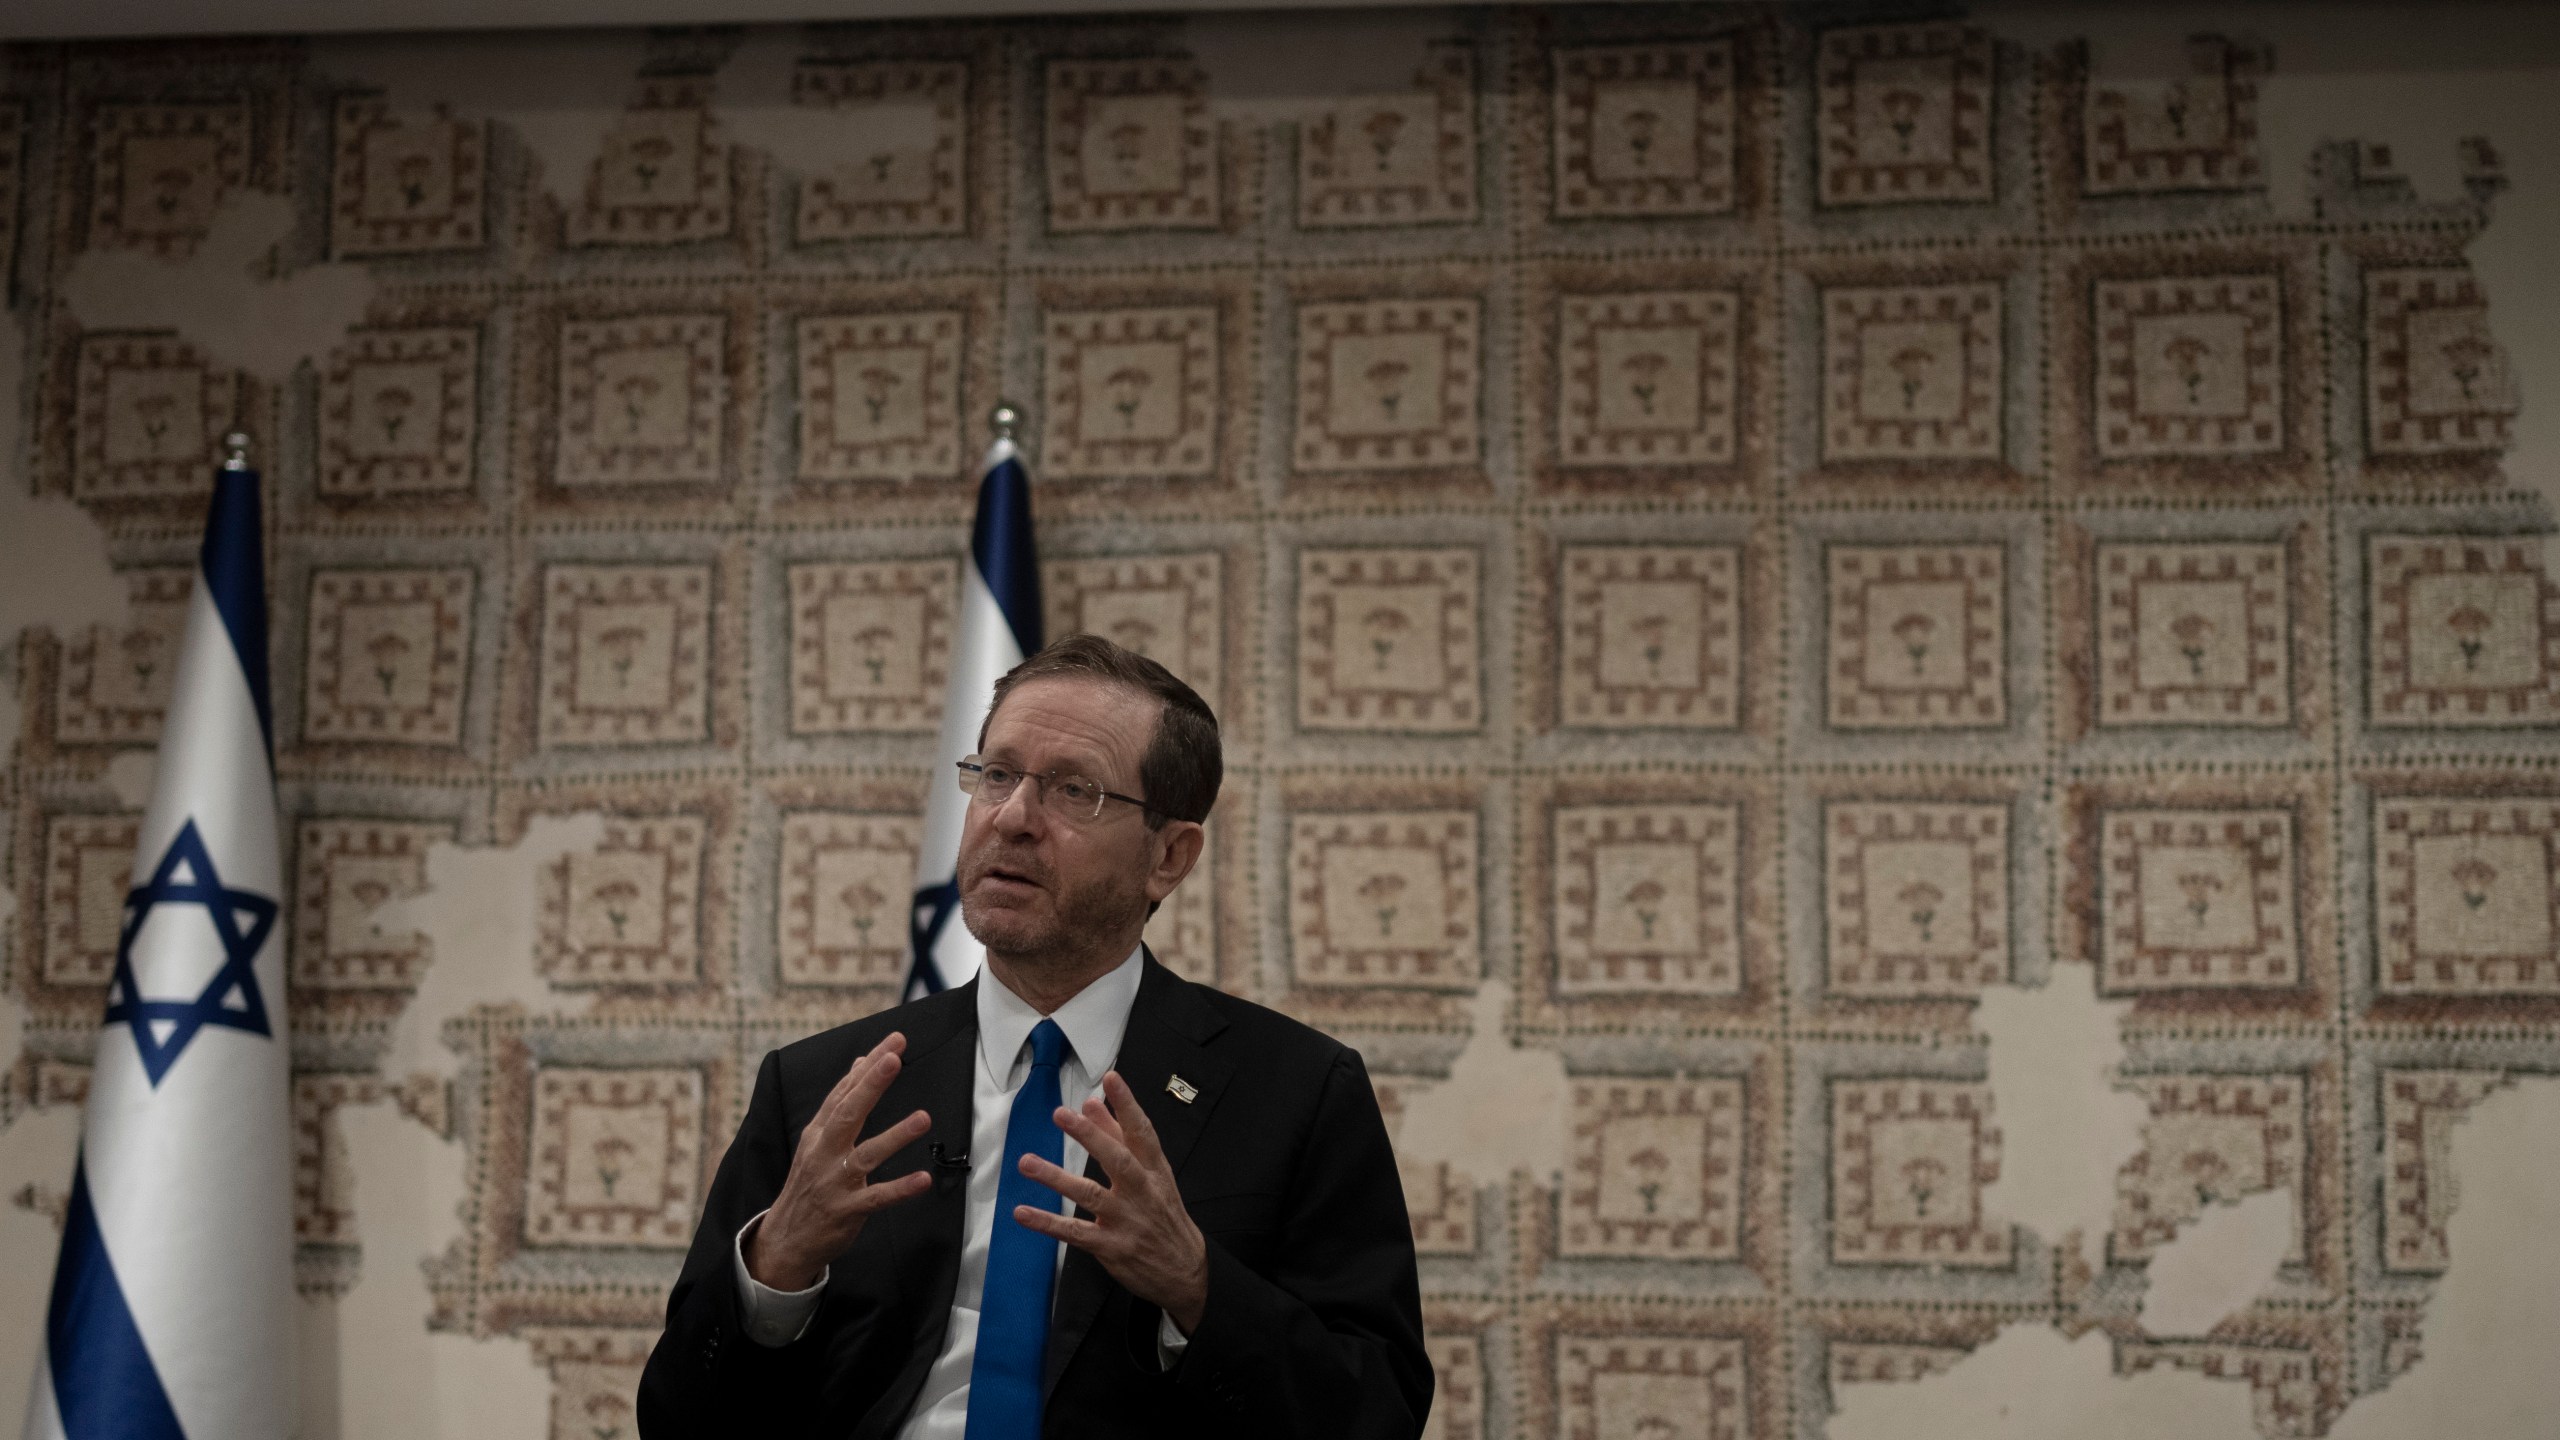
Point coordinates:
[[1072, 796]]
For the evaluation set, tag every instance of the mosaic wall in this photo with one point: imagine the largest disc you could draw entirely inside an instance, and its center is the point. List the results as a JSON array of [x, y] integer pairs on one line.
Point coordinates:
[[1714, 538]]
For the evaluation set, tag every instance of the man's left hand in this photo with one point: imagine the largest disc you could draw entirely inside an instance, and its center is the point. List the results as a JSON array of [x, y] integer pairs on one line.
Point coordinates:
[[1139, 1230]]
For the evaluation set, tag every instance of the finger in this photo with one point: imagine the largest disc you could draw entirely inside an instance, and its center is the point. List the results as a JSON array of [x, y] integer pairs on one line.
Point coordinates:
[[1099, 1110], [1137, 1131], [828, 1107], [833, 1105], [873, 1153], [1082, 1189], [1101, 1140], [889, 1192], [1082, 1234], [881, 1068]]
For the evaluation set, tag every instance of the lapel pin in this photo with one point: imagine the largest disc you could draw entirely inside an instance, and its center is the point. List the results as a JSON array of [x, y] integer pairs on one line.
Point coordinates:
[[1182, 1090]]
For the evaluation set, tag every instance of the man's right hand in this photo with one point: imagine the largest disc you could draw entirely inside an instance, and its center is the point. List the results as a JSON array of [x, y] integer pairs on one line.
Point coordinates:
[[828, 1194]]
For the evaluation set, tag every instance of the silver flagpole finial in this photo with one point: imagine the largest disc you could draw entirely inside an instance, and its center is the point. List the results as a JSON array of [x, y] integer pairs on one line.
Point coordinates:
[[1007, 419], [235, 451]]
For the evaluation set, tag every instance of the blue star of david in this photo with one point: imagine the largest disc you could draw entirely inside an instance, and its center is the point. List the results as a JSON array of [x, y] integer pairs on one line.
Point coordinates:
[[241, 920]]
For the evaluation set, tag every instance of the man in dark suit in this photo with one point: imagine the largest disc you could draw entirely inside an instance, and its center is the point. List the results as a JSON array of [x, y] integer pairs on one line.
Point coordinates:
[[1078, 1196]]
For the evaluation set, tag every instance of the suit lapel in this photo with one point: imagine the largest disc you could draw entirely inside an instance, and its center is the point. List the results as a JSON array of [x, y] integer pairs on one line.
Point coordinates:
[[1167, 1035]]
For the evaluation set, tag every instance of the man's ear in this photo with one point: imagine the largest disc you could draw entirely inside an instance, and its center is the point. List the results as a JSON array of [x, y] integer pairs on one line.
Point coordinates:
[[1179, 845]]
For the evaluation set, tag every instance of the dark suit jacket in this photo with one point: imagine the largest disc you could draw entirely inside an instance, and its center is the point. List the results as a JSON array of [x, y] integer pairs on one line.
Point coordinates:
[[1314, 1319]]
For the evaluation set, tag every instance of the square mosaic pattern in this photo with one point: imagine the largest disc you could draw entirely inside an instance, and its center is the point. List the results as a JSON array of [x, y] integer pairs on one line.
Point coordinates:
[[626, 912], [1904, 115], [2467, 896], [346, 869], [1644, 130], [388, 656], [846, 879], [616, 1157], [911, 180], [1917, 637], [1131, 392], [1916, 899], [2194, 132], [1652, 637], [871, 645], [1911, 373], [2199, 899], [2436, 381], [1909, 1159], [880, 396], [625, 654], [1655, 1170], [1398, 159], [2196, 634], [149, 413], [642, 400], [399, 413], [1384, 900], [1388, 640], [663, 176], [1131, 146], [157, 172], [2210, 1138], [406, 184], [1648, 899], [2190, 367], [1387, 385], [2465, 631], [1646, 379]]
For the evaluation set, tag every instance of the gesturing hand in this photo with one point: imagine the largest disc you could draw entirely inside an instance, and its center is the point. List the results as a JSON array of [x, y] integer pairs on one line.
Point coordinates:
[[1139, 1231], [829, 1193]]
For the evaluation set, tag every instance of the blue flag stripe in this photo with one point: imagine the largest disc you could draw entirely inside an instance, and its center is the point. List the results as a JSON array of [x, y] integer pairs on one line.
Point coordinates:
[[1001, 544], [235, 578], [104, 1384], [934, 908]]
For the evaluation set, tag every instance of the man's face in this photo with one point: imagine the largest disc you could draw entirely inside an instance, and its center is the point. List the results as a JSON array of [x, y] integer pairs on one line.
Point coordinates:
[[1033, 883]]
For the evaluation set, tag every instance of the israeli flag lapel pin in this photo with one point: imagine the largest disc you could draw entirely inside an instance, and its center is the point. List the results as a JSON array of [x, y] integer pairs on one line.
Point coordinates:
[[1182, 1090]]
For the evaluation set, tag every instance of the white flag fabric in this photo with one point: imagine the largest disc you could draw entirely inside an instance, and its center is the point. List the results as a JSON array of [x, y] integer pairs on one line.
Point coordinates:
[[999, 624], [172, 1312]]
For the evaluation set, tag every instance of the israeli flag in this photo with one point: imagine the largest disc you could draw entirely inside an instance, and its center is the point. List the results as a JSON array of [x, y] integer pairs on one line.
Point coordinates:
[[999, 624], [172, 1310]]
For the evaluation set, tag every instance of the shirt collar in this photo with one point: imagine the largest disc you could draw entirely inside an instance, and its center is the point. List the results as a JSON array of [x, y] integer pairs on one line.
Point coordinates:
[[1094, 1020]]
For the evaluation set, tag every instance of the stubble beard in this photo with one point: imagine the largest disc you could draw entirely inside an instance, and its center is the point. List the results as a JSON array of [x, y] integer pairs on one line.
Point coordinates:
[[1060, 942]]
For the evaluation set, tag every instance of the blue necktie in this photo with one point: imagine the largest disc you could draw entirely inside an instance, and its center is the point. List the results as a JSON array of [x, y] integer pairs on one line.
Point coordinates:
[[1022, 1265]]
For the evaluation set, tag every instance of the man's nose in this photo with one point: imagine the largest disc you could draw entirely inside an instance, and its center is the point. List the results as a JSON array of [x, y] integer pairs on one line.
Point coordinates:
[[1021, 812]]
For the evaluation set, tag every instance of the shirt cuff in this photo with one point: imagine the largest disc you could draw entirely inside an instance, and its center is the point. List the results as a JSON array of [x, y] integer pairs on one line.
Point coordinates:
[[1170, 1342], [775, 1318]]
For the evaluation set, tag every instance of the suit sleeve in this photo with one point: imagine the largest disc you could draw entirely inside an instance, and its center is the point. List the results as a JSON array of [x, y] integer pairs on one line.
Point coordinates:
[[1329, 1342], [707, 1376]]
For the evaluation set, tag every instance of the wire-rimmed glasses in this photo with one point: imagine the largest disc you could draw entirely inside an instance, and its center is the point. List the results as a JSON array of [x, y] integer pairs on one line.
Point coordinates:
[[1073, 797]]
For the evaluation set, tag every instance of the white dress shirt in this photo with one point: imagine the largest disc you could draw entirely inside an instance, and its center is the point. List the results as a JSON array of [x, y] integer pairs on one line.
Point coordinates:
[[1093, 1021]]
